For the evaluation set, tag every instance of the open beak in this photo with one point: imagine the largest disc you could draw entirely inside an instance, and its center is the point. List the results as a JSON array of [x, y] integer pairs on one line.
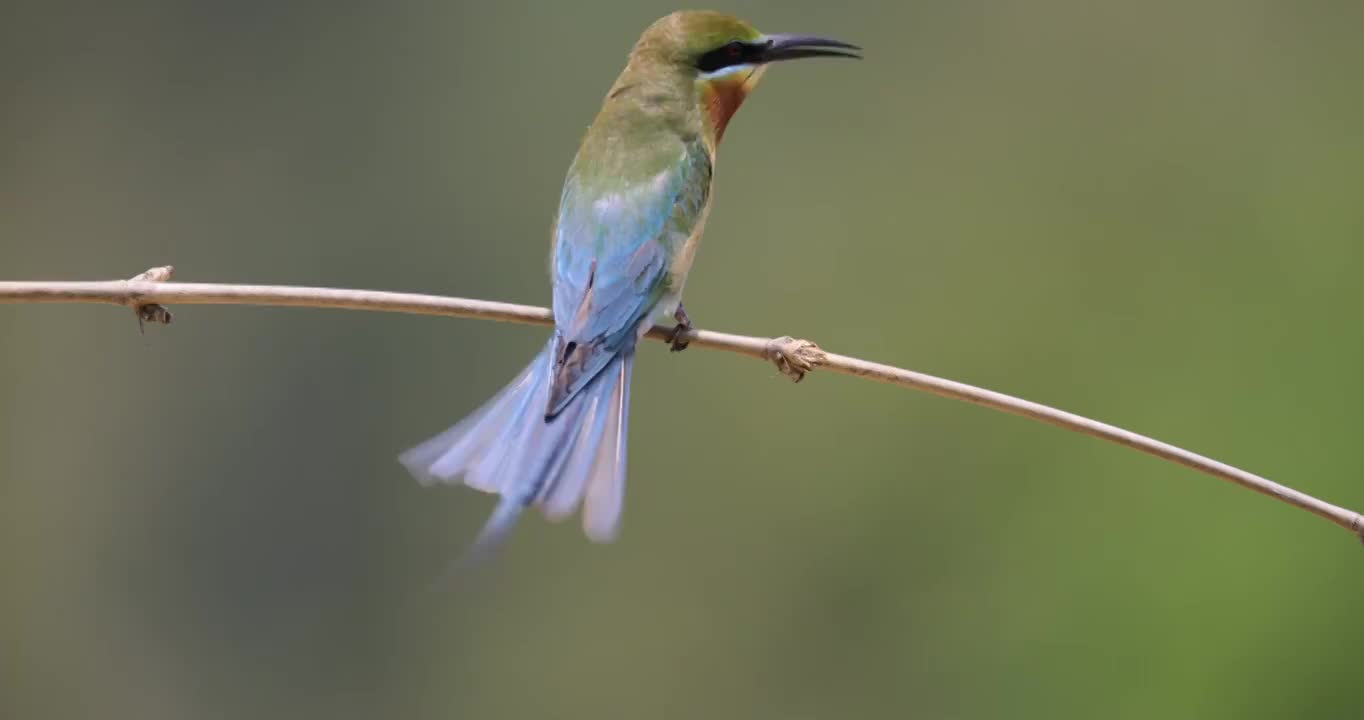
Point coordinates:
[[794, 47]]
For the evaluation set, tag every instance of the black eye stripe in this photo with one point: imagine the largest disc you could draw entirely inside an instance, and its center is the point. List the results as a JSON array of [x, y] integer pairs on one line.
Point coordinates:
[[731, 53]]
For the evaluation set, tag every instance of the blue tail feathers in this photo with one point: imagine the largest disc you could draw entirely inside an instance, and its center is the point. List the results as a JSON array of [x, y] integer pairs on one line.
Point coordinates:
[[509, 448]]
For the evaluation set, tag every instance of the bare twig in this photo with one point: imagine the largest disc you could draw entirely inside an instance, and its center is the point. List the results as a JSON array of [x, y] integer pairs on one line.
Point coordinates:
[[146, 294]]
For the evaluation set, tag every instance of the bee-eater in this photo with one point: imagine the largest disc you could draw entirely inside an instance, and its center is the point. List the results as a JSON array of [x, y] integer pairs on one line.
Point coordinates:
[[632, 210]]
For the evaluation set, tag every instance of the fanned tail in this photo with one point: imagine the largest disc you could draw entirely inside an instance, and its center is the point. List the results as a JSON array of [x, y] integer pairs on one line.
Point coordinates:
[[509, 448]]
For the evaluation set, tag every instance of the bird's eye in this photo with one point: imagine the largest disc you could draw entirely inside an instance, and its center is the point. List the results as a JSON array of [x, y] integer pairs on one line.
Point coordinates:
[[731, 53]]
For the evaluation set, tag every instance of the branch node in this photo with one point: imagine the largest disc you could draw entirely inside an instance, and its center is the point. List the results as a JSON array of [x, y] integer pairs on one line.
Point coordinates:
[[793, 357], [150, 312]]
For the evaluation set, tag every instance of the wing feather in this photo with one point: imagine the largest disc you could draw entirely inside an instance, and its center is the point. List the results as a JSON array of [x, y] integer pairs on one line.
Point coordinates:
[[614, 245]]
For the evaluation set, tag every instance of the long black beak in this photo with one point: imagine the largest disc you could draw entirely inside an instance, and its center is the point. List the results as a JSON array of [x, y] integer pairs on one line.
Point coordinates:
[[793, 47]]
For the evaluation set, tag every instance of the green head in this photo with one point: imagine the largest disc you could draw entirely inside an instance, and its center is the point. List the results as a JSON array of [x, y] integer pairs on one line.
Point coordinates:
[[723, 55]]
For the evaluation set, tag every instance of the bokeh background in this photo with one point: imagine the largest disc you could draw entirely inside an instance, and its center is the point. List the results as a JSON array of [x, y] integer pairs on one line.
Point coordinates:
[[1150, 213]]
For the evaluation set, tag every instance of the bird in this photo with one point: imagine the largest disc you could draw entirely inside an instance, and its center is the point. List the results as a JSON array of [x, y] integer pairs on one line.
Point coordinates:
[[632, 210]]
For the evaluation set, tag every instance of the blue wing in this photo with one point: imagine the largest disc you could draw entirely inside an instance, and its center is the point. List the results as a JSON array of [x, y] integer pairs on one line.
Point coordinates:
[[614, 244]]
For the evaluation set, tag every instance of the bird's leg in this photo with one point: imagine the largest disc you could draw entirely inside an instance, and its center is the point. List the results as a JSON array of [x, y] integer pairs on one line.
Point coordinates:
[[683, 326]]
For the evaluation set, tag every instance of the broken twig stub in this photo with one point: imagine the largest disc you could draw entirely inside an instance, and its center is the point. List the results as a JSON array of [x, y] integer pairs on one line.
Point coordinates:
[[151, 312]]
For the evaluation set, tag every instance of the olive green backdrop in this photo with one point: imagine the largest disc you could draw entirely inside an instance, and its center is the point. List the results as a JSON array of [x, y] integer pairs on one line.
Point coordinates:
[[1146, 212]]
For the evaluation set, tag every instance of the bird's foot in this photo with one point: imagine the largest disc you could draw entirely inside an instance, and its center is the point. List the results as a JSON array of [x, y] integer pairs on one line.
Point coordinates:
[[677, 338]]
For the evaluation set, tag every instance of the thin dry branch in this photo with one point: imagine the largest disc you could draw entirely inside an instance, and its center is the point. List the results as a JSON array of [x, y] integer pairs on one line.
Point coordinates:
[[146, 295]]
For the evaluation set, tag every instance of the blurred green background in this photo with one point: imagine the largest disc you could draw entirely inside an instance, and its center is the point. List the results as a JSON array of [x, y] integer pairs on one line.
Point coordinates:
[[1150, 213]]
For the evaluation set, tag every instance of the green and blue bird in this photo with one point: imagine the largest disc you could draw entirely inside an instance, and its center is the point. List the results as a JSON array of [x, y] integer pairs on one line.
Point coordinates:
[[630, 216]]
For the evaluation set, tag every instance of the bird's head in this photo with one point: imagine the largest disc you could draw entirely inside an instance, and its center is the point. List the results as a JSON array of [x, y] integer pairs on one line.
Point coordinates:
[[724, 56]]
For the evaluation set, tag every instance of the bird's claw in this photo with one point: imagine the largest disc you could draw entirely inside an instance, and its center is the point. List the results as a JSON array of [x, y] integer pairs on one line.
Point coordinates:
[[676, 338], [677, 341]]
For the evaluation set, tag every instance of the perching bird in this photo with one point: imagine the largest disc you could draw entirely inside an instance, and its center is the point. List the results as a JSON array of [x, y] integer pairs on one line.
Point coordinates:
[[632, 210]]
